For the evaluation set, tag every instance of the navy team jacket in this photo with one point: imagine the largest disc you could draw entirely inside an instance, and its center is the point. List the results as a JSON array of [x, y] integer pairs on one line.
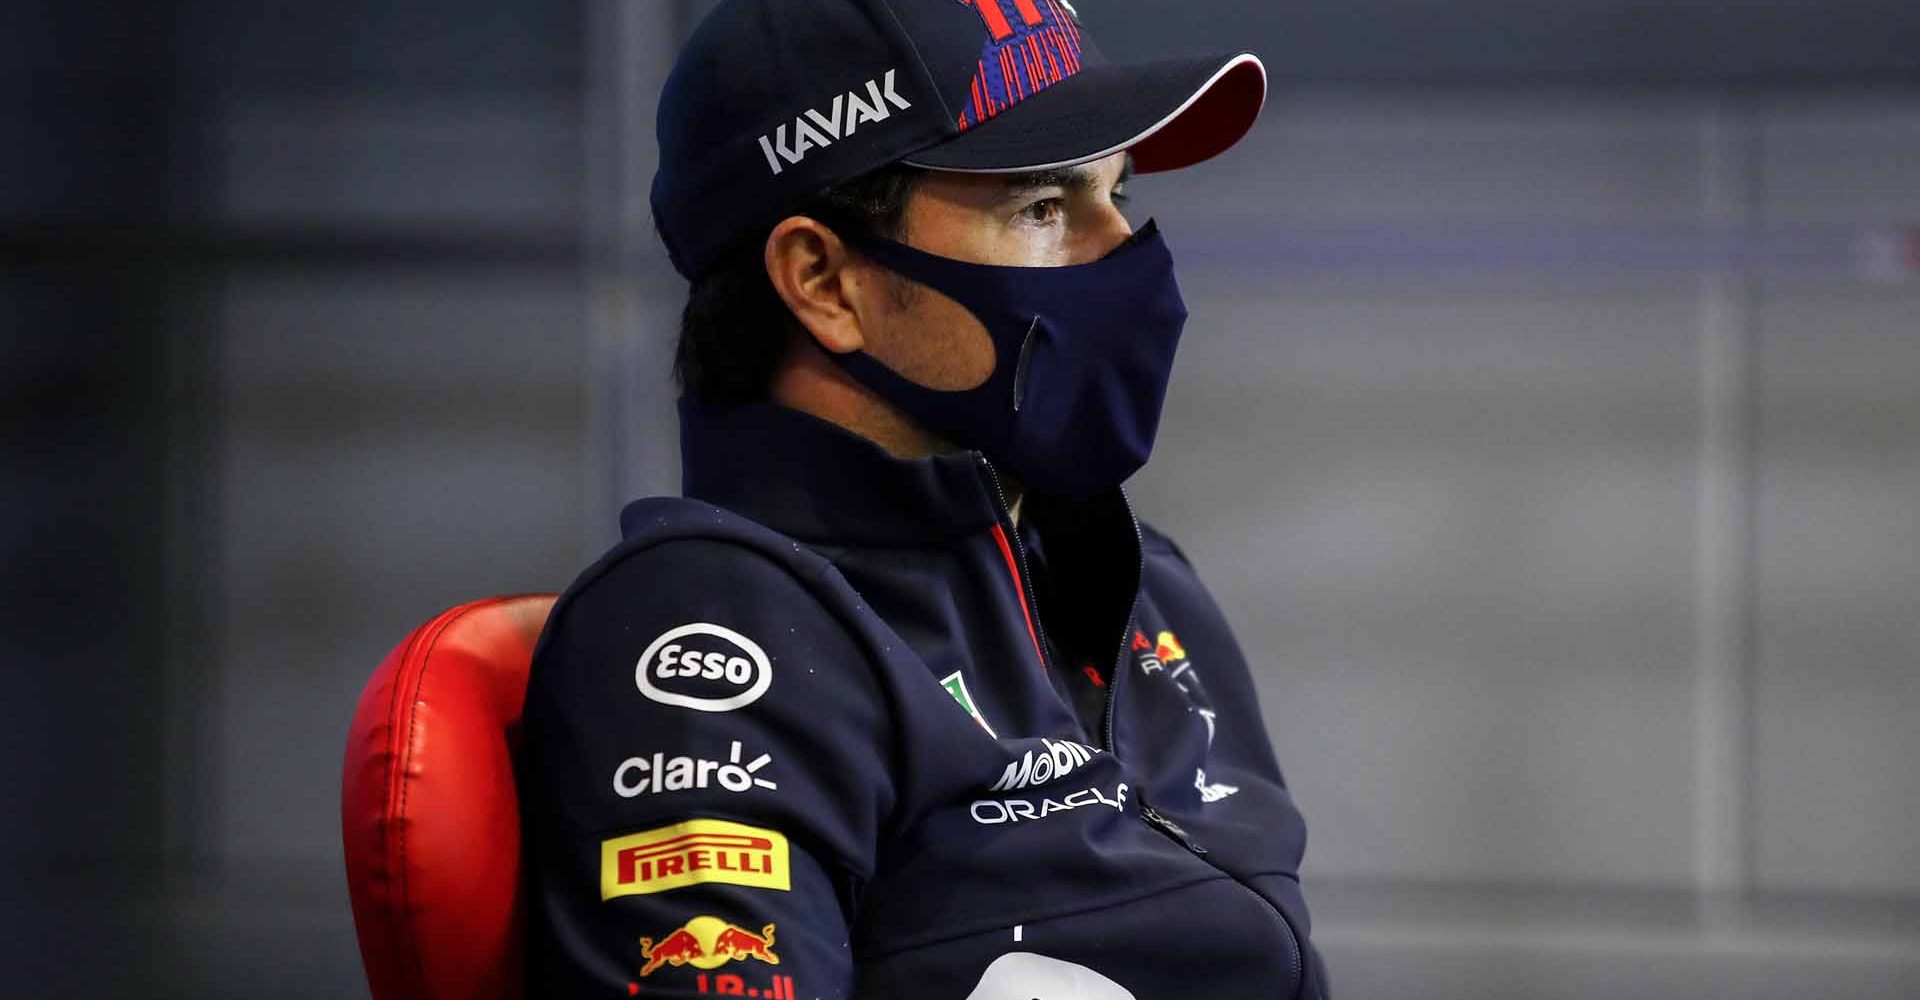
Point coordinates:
[[832, 726]]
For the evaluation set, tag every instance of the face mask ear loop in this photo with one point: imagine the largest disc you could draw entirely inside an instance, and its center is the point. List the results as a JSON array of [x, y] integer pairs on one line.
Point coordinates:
[[1020, 372]]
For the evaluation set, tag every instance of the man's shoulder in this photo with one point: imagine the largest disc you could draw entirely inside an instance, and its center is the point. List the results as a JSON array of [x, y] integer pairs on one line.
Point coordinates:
[[661, 534], [678, 555], [1167, 575], [1154, 542], [693, 578]]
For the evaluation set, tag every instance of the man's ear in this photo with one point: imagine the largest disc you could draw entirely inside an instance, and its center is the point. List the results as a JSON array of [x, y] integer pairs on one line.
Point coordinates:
[[821, 281]]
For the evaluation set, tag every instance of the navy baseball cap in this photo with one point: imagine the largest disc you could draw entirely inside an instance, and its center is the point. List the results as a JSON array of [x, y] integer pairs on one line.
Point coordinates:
[[774, 101]]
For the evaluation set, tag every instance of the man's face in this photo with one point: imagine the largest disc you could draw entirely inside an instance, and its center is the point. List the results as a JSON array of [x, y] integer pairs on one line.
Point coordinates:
[[1050, 219]]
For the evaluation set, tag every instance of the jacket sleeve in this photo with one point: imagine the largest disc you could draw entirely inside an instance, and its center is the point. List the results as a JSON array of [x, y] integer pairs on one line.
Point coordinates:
[[705, 780]]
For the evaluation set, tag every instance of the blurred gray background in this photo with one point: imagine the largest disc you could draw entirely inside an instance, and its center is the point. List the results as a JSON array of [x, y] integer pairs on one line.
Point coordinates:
[[1549, 425]]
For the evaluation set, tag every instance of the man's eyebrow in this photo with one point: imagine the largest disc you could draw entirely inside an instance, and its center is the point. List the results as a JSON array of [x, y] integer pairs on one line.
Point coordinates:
[[1081, 178], [1071, 178]]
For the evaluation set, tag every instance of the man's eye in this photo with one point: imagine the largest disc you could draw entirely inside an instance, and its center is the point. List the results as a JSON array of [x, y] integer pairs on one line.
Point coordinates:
[[1042, 212], [1121, 199]]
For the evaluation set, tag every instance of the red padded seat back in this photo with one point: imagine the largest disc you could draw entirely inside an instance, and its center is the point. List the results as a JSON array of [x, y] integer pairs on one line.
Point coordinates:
[[429, 812]]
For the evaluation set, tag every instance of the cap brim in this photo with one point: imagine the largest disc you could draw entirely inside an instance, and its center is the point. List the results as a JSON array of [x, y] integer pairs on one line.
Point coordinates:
[[1168, 114]]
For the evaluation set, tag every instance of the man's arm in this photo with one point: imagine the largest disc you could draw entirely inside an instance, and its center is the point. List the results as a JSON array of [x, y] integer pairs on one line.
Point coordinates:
[[706, 781]]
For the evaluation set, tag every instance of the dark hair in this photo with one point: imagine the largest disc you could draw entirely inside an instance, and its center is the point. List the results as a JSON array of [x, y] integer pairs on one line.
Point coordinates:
[[736, 328]]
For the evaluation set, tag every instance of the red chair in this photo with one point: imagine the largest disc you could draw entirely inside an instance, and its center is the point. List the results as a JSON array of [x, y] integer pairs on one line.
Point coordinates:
[[429, 812]]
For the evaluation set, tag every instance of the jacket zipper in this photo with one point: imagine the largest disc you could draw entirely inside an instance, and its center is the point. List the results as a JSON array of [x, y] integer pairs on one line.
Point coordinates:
[[1170, 828], [1010, 539], [1126, 627]]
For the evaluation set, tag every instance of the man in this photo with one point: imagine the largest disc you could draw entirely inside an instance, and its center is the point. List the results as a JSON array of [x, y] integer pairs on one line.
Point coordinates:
[[901, 700]]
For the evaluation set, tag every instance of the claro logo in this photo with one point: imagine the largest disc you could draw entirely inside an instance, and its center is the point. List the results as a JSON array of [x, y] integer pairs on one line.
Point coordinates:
[[705, 667], [638, 776]]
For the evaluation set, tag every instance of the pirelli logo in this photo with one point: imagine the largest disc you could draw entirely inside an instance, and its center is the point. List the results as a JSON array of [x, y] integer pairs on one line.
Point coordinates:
[[699, 850]]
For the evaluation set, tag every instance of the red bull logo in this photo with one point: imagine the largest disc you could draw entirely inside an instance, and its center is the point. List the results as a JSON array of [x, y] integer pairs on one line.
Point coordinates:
[[676, 949], [707, 943], [1162, 652], [729, 985], [1167, 647]]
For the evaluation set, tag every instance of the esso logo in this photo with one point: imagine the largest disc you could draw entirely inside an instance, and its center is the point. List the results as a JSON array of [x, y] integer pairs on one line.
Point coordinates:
[[705, 667]]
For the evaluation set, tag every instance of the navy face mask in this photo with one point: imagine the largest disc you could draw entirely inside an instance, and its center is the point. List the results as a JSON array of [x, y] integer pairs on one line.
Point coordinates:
[[1082, 358]]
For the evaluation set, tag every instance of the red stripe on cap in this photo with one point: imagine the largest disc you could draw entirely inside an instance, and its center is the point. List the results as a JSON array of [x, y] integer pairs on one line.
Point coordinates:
[[1013, 568], [997, 25]]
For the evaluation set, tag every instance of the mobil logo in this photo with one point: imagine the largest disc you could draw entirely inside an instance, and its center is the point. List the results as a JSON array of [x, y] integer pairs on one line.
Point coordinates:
[[705, 667], [1052, 760]]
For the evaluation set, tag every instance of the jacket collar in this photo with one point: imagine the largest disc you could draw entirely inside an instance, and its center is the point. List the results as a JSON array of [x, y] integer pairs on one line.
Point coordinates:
[[816, 482]]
